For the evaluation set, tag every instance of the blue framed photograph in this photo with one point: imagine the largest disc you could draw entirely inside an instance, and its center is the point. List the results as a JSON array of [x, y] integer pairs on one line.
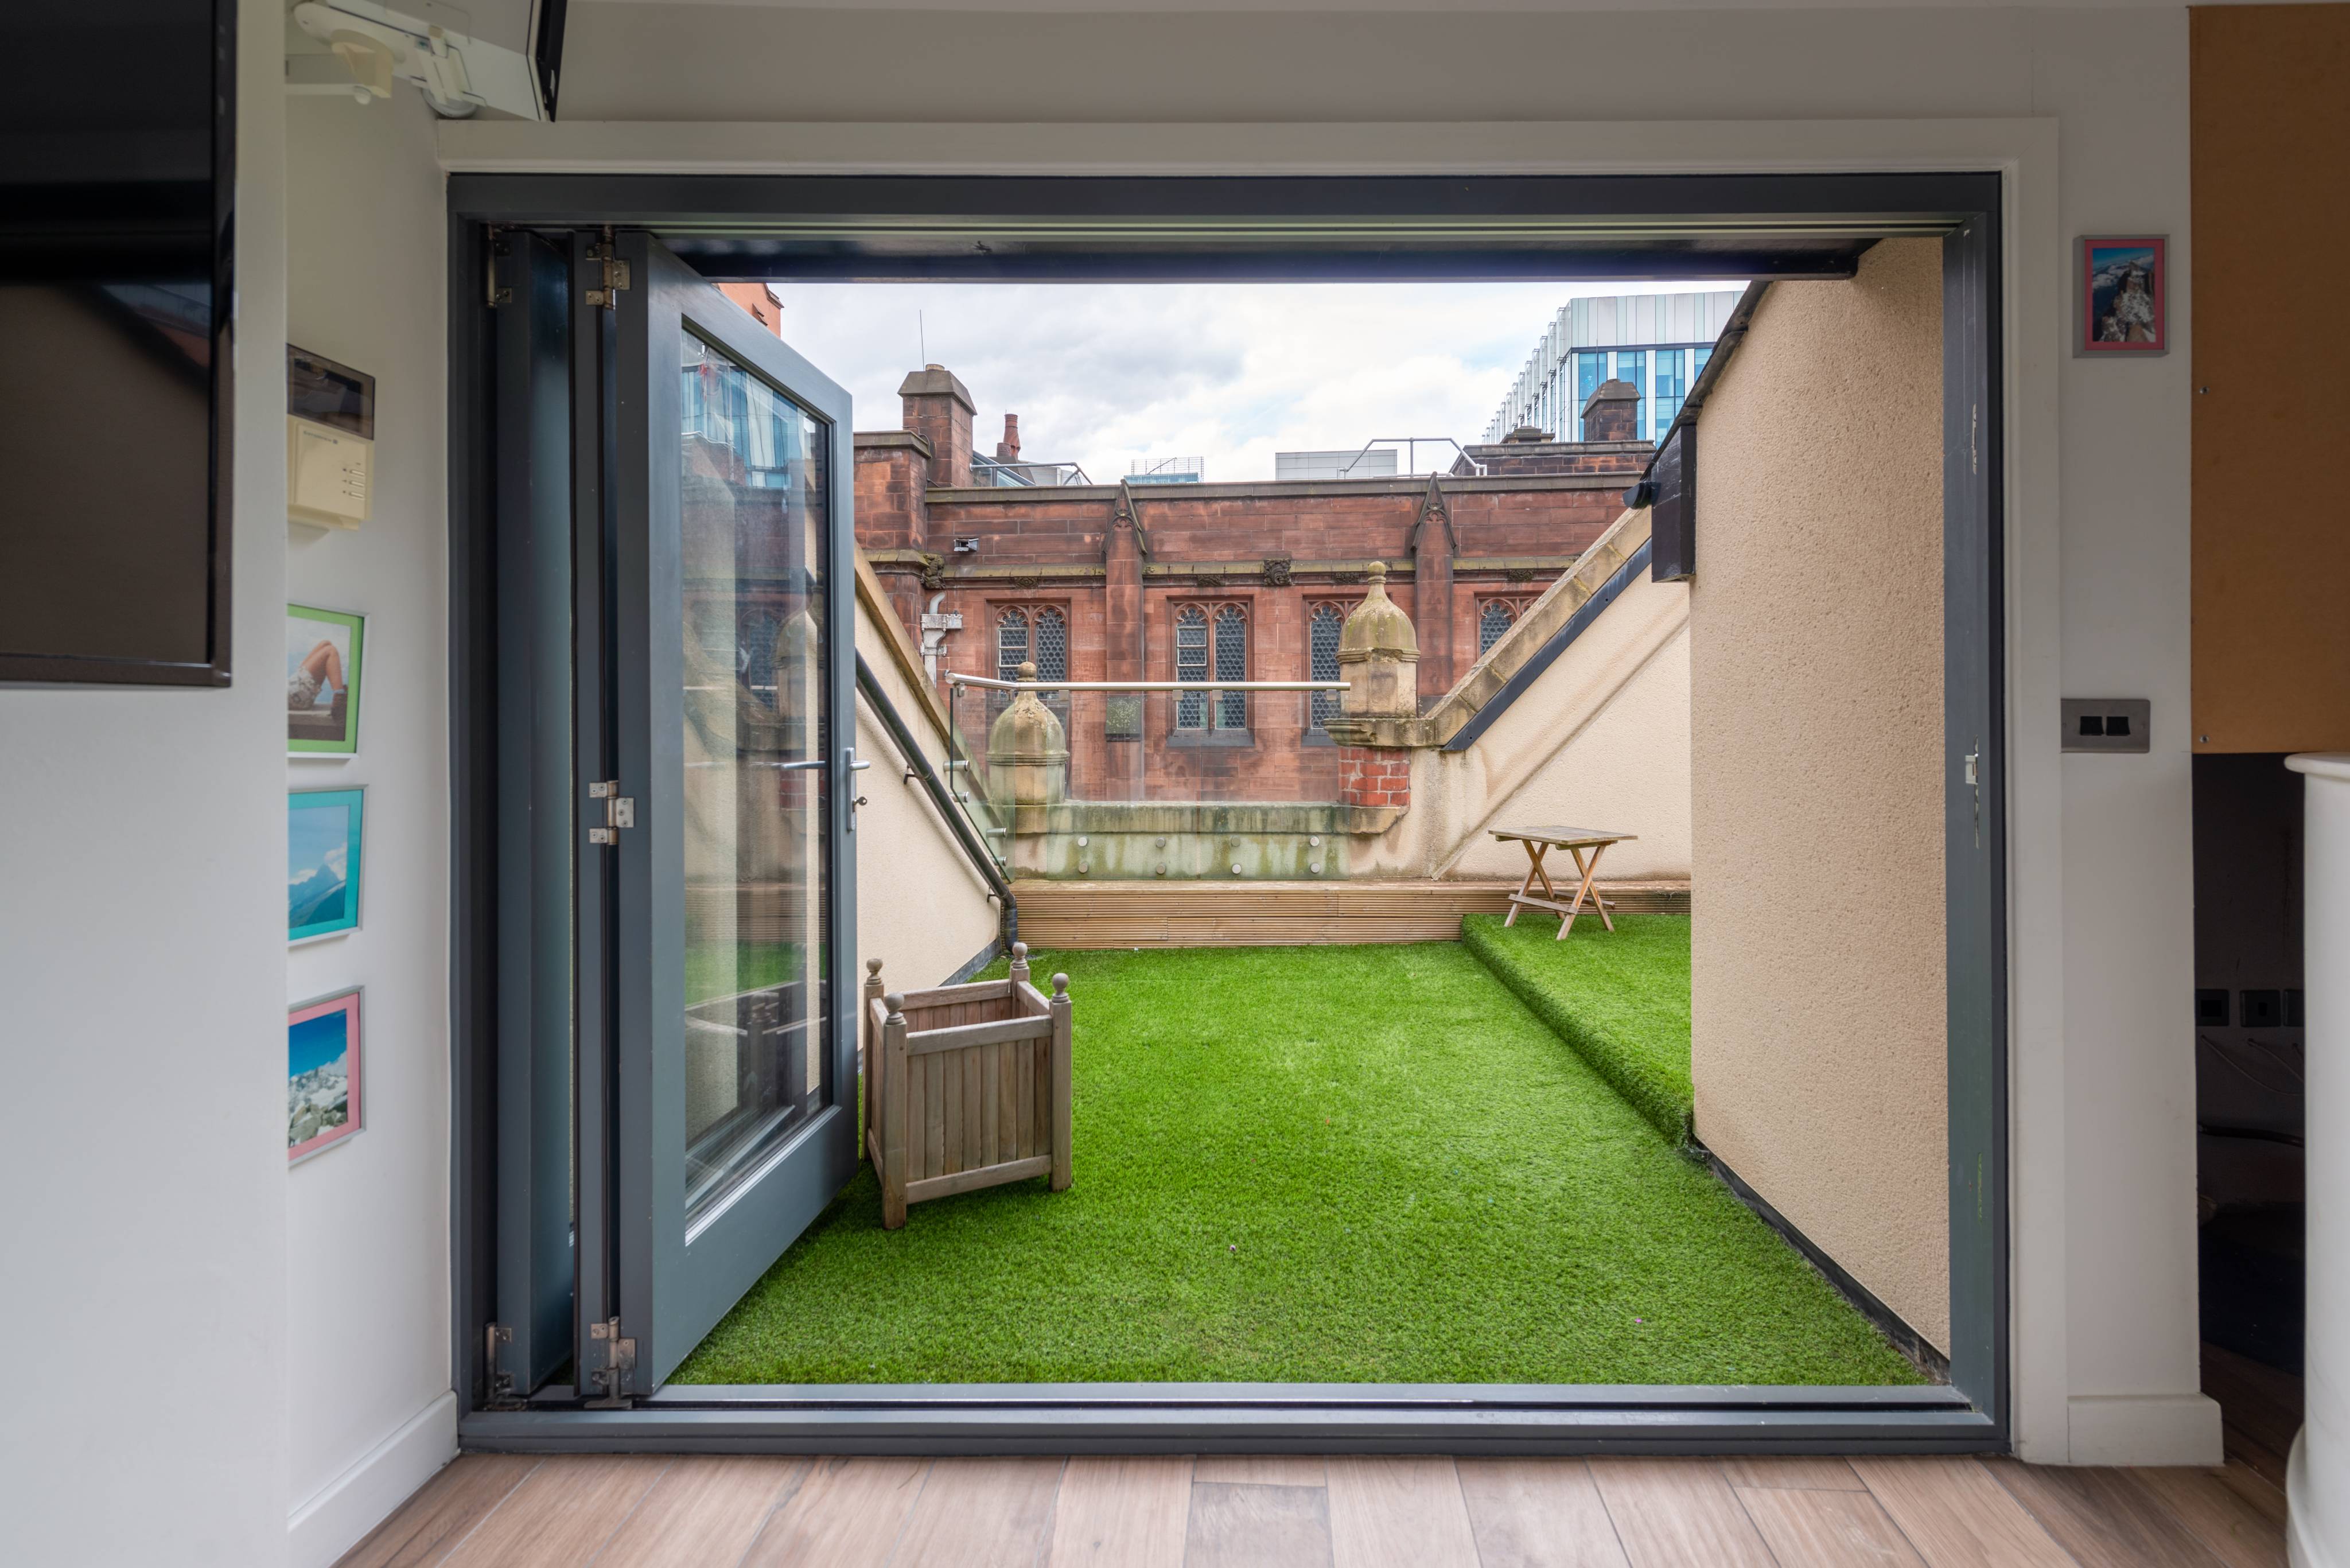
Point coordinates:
[[323, 829]]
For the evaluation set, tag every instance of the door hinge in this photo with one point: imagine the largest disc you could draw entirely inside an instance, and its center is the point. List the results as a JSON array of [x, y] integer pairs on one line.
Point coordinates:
[[499, 1385], [619, 811], [615, 277], [619, 1362]]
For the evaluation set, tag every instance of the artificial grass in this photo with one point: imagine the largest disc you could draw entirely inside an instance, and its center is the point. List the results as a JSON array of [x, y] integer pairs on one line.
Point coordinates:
[[1342, 1164], [1621, 999]]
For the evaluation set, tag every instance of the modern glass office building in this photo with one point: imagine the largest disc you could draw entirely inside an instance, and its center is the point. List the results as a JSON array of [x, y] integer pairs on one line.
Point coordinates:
[[1659, 342]]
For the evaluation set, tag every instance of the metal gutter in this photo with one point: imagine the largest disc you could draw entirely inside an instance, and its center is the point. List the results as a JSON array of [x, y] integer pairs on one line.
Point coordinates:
[[918, 766], [1725, 347]]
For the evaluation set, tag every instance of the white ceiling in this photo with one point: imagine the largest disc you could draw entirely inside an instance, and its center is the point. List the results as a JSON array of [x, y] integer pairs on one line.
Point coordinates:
[[1163, 7]]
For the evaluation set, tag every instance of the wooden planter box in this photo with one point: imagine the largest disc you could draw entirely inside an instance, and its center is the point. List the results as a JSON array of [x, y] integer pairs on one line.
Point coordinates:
[[965, 1086]]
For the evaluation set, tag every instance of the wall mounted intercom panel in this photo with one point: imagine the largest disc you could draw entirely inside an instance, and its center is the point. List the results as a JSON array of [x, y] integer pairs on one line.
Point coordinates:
[[330, 441]]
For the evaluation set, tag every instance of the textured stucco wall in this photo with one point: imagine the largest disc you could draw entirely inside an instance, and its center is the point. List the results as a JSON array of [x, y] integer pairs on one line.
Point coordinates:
[[921, 908], [1817, 780], [1602, 740]]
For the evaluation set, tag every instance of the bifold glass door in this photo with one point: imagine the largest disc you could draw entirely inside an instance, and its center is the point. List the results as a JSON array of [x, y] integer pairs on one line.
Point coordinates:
[[733, 1052], [677, 901]]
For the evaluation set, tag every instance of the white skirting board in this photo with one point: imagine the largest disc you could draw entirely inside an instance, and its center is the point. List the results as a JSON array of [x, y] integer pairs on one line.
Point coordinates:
[[2144, 1429], [333, 1520]]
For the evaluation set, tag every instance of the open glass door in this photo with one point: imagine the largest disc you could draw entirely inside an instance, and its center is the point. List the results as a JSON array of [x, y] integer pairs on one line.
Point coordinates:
[[722, 824]]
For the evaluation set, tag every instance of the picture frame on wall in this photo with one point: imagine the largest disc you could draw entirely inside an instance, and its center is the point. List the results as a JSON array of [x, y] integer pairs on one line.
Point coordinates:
[[323, 1074], [325, 830], [325, 652], [2122, 293]]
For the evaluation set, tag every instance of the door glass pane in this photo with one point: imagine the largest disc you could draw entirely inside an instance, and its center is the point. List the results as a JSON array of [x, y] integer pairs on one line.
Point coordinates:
[[753, 510]]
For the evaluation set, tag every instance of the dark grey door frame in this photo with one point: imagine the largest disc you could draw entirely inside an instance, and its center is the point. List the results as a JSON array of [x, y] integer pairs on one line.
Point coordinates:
[[1292, 228]]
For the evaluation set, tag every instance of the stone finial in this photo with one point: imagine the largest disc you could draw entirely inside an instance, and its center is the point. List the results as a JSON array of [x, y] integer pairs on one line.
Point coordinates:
[[1379, 655], [1027, 758]]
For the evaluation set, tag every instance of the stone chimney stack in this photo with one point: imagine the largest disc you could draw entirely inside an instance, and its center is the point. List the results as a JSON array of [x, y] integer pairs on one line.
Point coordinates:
[[1008, 449], [1612, 412], [938, 409]]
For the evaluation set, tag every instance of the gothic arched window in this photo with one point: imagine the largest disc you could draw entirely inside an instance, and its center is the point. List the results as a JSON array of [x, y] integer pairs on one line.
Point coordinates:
[[1493, 624], [1191, 664], [1050, 646], [1232, 664], [1321, 652]]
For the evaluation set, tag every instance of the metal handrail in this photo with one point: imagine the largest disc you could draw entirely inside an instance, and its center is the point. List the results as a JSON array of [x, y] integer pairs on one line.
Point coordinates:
[[974, 850], [1412, 458], [1202, 686]]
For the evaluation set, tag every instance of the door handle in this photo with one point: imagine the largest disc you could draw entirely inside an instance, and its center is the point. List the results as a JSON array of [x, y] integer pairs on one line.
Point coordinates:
[[852, 766]]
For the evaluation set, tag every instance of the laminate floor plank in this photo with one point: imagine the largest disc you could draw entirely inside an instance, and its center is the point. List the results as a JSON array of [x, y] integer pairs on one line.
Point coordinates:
[[1121, 1511], [1676, 1513], [846, 1513], [562, 1514], [1826, 1528], [1958, 1515], [1254, 1524], [1799, 1472], [1260, 1469], [703, 1513], [2101, 1517], [1398, 1511], [981, 1513], [1538, 1513], [2225, 1518], [429, 1525]]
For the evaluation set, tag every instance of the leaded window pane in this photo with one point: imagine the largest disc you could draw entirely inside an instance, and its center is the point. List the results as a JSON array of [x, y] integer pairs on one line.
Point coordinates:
[[1492, 625], [1321, 648], [1232, 664], [1191, 664], [1052, 644], [1010, 650]]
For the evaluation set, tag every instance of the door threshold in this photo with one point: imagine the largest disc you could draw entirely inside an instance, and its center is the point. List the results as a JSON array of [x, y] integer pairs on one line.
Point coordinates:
[[1456, 1418]]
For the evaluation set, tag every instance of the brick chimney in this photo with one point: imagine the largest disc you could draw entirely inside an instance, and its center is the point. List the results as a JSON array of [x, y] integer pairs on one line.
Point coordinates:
[[938, 409], [1008, 449], [1612, 412]]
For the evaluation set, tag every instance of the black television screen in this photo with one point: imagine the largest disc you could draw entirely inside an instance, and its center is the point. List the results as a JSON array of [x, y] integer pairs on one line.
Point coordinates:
[[116, 174]]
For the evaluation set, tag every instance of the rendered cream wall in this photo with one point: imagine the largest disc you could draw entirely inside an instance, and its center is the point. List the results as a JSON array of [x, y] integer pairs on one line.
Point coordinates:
[[1817, 1003], [142, 1023], [921, 908], [1600, 739], [367, 1224]]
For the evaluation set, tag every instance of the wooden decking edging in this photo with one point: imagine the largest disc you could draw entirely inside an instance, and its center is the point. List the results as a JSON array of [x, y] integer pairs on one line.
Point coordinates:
[[1077, 914]]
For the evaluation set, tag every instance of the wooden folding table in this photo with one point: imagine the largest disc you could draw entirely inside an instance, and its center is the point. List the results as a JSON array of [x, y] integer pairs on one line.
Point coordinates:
[[1587, 844]]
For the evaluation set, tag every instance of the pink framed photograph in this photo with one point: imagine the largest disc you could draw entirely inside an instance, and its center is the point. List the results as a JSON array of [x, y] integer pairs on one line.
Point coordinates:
[[322, 1074], [2123, 287]]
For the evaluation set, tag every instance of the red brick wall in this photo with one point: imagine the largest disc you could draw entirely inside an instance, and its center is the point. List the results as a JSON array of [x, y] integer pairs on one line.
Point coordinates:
[[1370, 777]]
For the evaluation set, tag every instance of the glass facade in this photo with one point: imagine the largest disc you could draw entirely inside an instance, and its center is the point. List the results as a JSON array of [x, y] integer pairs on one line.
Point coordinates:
[[1657, 342]]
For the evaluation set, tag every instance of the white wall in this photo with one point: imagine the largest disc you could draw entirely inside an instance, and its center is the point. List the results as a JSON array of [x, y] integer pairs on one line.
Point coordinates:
[[142, 1023], [372, 1413], [2086, 107]]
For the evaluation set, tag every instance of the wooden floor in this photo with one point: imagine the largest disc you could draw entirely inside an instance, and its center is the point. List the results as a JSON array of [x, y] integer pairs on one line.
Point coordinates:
[[508, 1511], [1056, 913], [500, 1511]]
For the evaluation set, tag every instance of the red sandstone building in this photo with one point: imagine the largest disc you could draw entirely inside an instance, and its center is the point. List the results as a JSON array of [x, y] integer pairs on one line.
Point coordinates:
[[1229, 581]]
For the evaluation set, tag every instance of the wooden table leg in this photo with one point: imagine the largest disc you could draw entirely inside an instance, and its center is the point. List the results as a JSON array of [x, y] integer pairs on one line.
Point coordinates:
[[1590, 869], [1526, 887]]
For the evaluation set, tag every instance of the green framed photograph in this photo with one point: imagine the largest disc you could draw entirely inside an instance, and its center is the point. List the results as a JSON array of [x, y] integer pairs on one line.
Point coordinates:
[[324, 651]]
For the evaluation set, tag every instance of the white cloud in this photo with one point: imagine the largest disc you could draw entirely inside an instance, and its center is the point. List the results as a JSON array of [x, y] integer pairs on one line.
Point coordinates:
[[1105, 373]]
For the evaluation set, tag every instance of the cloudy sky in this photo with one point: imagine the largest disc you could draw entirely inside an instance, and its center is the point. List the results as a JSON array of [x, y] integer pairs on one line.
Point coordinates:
[[1105, 373]]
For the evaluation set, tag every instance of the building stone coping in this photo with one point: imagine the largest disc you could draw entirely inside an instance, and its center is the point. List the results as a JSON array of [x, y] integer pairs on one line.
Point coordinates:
[[867, 440], [1341, 572], [902, 652], [1411, 487], [1277, 819]]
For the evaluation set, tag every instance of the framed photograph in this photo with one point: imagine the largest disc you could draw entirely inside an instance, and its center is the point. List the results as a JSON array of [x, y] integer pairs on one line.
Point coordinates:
[[322, 1074], [323, 830], [2123, 286], [323, 651]]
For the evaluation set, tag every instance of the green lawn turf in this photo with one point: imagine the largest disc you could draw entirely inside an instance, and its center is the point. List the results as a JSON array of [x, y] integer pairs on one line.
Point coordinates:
[[1621, 998], [1312, 1164]]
